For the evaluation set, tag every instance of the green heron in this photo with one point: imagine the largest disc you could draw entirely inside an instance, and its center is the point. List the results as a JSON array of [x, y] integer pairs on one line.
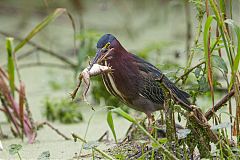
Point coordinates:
[[133, 80]]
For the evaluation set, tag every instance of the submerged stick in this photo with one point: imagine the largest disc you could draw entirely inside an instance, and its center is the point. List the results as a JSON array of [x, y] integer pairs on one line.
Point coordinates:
[[53, 128]]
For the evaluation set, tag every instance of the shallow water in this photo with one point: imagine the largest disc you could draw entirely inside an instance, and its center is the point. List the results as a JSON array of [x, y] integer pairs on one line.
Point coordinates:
[[37, 89]]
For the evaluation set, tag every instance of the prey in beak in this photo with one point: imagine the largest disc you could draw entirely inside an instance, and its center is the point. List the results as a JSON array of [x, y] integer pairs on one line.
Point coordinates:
[[101, 54]]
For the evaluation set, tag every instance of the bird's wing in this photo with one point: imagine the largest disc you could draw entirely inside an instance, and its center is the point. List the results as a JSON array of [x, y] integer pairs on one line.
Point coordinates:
[[153, 89], [149, 88]]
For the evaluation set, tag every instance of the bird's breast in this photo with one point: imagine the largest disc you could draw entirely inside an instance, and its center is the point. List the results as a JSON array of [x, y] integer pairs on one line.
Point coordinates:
[[111, 82]]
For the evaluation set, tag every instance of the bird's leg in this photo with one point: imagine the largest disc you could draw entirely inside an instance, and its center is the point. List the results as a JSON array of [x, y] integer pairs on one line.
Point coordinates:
[[73, 94], [151, 121]]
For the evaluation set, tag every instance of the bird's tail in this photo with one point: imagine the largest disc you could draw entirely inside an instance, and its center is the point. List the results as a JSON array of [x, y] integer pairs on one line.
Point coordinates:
[[182, 95]]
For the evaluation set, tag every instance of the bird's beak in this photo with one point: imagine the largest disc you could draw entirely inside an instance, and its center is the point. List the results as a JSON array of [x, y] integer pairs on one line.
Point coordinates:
[[96, 58]]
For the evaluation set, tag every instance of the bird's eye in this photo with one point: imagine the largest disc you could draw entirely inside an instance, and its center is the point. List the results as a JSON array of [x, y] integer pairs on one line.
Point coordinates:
[[104, 50]]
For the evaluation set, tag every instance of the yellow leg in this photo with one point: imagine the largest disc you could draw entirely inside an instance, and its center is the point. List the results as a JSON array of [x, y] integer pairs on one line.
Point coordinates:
[[151, 121]]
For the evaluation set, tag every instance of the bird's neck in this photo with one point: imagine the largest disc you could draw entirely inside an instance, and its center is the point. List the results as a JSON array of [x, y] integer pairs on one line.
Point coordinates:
[[118, 57]]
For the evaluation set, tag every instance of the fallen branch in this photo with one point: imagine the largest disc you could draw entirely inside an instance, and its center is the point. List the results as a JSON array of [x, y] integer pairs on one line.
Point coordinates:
[[220, 103]]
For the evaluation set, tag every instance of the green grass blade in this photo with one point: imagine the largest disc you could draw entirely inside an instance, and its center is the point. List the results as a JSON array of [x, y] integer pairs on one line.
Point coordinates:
[[40, 26], [124, 114], [237, 57], [10, 66], [223, 31], [111, 125], [222, 6], [219, 63]]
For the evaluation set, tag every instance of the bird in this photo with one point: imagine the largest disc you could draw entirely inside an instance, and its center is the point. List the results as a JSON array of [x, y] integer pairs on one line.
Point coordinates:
[[134, 80]]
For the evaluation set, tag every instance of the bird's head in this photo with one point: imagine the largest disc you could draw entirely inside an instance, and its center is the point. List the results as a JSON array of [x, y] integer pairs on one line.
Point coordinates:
[[105, 47]]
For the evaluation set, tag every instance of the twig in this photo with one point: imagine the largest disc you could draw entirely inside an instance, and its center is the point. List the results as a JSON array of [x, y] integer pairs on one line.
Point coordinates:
[[189, 71], [220, 103], [43, 64], [105, 134], [50, 52], [75, 137], [29, 113], [53, 128], [3, 73], [27, 54], [3, 110], [6, 77], [206, 5], [208, 57], [9, 115]]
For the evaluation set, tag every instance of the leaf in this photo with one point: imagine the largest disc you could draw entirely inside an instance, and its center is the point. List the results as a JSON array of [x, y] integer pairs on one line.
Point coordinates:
[[203, 84], [206, 40], [221, 126], [182, 133], [120, 156], [44, 156], [10, 66], [40, 26], [155, 145], [111, 125], [14, 148], [124, 115], [90, 145], [219, 63], [237, 57], [163, 140], [197, 72]]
